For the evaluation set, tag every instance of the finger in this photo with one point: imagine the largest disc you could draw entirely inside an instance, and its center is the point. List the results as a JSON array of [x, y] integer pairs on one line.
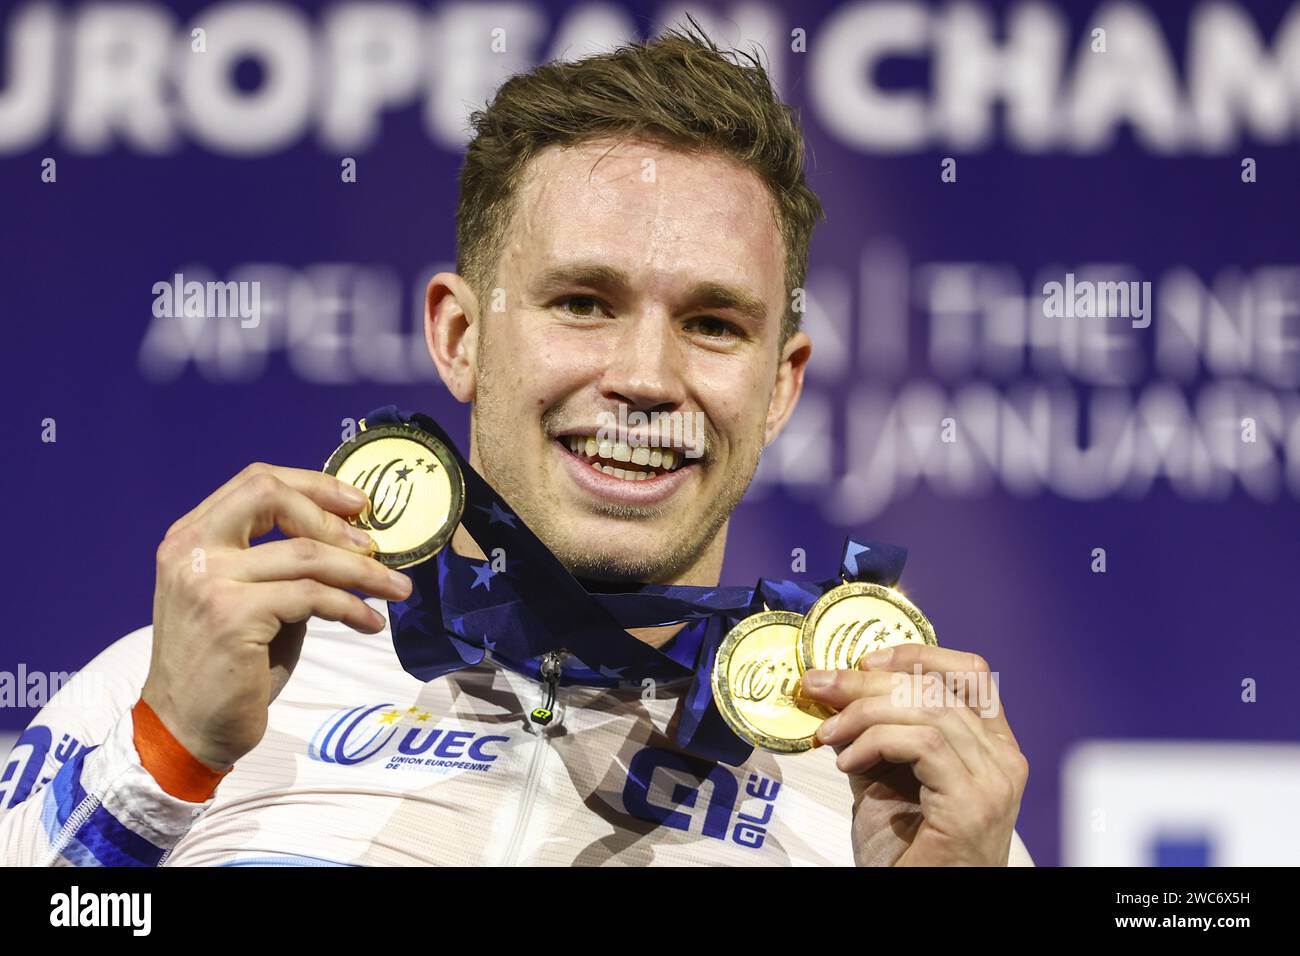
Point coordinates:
[[929, 690], [327, 491], [264, 502], [294, 601], [971, 676], [307, 558], [934, 763], [838, 688], [954, 720]]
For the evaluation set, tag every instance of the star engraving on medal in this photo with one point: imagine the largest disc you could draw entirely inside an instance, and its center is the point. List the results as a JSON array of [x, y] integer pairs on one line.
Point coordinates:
[[898, 628], [402, 473], [430, 466]]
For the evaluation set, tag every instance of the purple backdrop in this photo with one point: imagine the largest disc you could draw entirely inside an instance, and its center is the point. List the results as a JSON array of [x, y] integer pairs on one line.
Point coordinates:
[[1200, 588]]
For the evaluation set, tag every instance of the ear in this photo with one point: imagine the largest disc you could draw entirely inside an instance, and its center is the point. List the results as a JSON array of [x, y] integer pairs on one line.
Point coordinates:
[[789, 384], [451, 332]]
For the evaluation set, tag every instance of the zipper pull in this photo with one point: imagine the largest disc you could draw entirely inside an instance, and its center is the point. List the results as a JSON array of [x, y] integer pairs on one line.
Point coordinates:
[[551, 666]]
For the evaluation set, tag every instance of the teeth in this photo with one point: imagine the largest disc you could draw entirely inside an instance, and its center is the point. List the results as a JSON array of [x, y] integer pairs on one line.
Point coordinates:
[[643, 455], [626, 474]]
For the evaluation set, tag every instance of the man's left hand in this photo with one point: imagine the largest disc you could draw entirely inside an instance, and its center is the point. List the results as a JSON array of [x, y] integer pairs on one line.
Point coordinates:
[[937, 774]]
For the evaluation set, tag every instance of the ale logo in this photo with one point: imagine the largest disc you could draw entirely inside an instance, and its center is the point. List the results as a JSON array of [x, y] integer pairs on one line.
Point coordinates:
[[686, 793]]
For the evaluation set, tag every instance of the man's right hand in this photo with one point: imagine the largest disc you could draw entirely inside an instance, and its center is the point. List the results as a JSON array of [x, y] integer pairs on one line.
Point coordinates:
[[229, 618]]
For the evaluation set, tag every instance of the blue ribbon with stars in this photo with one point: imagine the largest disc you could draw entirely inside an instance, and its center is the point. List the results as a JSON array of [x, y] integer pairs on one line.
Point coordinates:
[[461, 609]]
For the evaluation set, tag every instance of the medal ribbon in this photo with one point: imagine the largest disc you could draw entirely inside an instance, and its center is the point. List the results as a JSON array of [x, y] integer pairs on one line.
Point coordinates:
[[462, 608]]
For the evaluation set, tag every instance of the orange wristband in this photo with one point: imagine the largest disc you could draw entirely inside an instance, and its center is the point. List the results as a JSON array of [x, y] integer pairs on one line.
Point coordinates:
[[176, 770]]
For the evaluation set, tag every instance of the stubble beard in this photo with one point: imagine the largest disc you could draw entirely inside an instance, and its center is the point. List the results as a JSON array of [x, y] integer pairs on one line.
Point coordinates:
[[660, 561]]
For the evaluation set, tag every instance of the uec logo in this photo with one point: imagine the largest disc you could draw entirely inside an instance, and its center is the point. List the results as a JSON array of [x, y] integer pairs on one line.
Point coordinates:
[[362, 733]]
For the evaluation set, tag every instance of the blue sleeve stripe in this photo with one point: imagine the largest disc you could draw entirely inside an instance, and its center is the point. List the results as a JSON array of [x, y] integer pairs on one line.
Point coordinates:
[[63, 795], [101, 839], [114, 845]]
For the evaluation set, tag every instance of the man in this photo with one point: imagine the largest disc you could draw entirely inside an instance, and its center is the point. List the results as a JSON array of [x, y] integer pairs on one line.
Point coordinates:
[[632, 232]]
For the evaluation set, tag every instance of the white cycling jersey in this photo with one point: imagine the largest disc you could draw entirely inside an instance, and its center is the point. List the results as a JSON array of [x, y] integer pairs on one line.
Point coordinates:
[[362, 763]]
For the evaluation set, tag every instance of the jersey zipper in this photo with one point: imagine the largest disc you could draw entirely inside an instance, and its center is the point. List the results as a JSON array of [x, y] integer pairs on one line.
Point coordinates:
[[549, 670], [76, 820]]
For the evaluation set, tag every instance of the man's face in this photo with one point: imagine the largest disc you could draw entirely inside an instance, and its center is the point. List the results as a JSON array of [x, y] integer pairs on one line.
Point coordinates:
[[641, 276]]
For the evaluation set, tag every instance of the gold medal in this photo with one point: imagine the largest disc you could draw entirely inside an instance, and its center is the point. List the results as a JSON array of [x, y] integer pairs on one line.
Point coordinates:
[[756, 684], [854, 619], [415, 489]]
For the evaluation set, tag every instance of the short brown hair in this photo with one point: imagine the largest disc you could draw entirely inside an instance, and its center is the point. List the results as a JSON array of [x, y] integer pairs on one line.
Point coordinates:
[[678, 89]]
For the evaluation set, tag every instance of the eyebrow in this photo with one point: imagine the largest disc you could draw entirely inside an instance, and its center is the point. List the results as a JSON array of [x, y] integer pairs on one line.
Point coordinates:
[[593, 275], [713, 295], [703, 295]]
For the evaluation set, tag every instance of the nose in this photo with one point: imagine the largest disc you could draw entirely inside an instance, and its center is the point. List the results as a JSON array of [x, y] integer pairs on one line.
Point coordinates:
[[645, 368]]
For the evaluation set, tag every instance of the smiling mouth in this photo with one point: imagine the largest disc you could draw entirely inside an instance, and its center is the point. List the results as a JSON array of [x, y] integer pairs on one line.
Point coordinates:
[[619, 460]]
